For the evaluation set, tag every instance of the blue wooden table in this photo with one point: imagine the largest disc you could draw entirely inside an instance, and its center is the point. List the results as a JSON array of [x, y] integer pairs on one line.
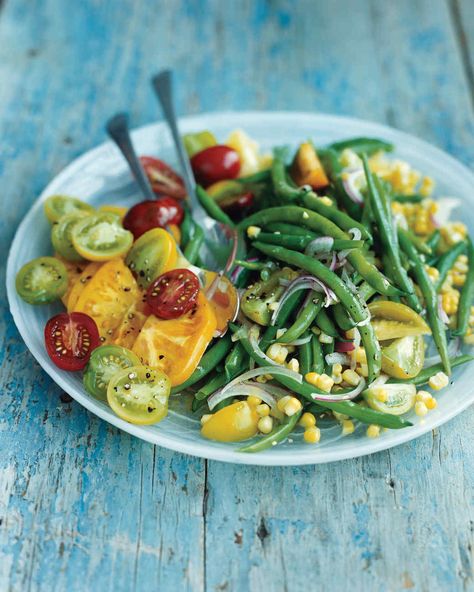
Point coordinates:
[[86, 507]]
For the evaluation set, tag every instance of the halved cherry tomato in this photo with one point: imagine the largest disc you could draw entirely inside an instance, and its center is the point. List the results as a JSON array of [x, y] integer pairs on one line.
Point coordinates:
[[100, 237], [42, 280], [215, 164], [307, 168], [152, 254], [153, 214], [404, 357], [139, 394], [397, 400], [70, 340], [80, 283], [164, 181], [173, 294], [61, 236], [197, 141], [176, 346], [57, 206], [231, 198], [233, 423], [120, 211]]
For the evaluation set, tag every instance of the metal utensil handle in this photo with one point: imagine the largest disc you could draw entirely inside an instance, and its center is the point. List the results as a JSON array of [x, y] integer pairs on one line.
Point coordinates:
[[162, 85], [117, 128]]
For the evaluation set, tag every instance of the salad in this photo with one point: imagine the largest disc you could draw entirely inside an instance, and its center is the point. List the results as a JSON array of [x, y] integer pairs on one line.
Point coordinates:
[[355, 293]]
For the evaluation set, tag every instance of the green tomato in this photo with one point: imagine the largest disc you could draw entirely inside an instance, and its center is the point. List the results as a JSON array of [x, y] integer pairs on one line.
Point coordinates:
[[42, 280], [256, 301], [105, 362], [404, 357], [61, 236], [152, 254], [395, 399], [57, 206], [198, 141], [139, 394], [100, 237]]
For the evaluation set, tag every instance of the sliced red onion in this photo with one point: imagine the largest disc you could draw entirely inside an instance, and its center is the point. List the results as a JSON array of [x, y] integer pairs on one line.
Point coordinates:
[[304, 282], [274, 369], [333, 398], [343, 347], [322, 244], [349, 181], [337, 358], [379, 381], [245, 389]]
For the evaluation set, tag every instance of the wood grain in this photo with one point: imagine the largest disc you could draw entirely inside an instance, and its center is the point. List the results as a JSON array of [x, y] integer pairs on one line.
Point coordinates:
[[86, 507]]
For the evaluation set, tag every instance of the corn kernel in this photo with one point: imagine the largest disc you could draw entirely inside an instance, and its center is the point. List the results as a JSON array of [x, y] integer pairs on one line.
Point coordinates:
[[348, 427], [337, 378], [307, 420], [423, 396], [263, 410], [350, 334], [450, 301], [312, 435], [340, 416], [438, 381], [253, 400], [293, 406], [421, 409], [277, 353], [461, 265], [325, 383], [282, 402], [323, 338], [351, 377], [337, 369], [373, 431], [431, 403], [312, 378], [316, 330], [293, 364], [458, 278], [381, 394], [427, 186], [363, 370], [326, 200], [433, 273], [280, 333], [205, 417], [262, 379], [360, 355], [253, 231], [265, 425]]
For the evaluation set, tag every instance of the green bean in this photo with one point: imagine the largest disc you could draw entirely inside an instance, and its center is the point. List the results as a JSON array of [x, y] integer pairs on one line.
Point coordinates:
[[328, 348], [252, 265], [258, 177], [446, 261], [277, 435], [283, 189], [316, 268], [372, 351], [420, 245], [366, 291], [307, 391], [381, 211], [341, 219], [284, 314], [212, 208], [424, 376], [433, 240], [208, 362], [324, 322], [317, 355], [362, 145], [234, 361], [343, 320], [301, 242], [193, 247], [186, 226], [284, 228], [467, 295], [305, 355], [213, 385], [196, 404], [314, 221], [430, 296], [303, 321], [414, 198]]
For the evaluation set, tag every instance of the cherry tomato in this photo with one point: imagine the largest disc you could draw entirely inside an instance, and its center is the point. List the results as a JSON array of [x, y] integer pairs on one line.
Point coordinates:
[[342, 347], [215, 164], [153, 214], [173, 294], [70, 339], [162, 178]]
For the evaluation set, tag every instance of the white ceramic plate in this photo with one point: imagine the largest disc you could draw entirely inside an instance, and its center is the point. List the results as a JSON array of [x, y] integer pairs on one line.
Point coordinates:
[[101, 176]]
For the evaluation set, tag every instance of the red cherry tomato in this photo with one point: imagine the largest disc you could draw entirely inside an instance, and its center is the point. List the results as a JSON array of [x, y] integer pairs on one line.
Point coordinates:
[[153, 214], [237, 205], [215, 163], [70, 339], [342, 347], [173, 293], [163, 179]]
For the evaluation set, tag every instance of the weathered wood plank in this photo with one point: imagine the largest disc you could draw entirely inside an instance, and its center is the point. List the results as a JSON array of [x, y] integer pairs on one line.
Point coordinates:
[[462, 12]]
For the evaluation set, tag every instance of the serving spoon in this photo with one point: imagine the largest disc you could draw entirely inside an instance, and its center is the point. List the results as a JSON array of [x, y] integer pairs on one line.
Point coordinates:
[[218, 289]]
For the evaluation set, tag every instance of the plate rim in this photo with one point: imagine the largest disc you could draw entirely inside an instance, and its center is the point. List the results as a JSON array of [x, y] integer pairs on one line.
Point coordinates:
[[204, 450]]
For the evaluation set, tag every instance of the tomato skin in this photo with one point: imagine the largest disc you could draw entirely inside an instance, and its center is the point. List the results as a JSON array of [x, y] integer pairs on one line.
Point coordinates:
[[173, 293], [215, 164], [150, 214], [163, 179], [70, 340]]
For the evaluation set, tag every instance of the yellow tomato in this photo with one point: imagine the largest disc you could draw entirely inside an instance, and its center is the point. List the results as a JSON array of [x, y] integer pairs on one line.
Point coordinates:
[[233, 423], [176, 346], [74, 271], [76, 290], [176, 232], [224, 301], [404, 358], [307, 168], [108, 296], [393, 320], [130, 327]]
